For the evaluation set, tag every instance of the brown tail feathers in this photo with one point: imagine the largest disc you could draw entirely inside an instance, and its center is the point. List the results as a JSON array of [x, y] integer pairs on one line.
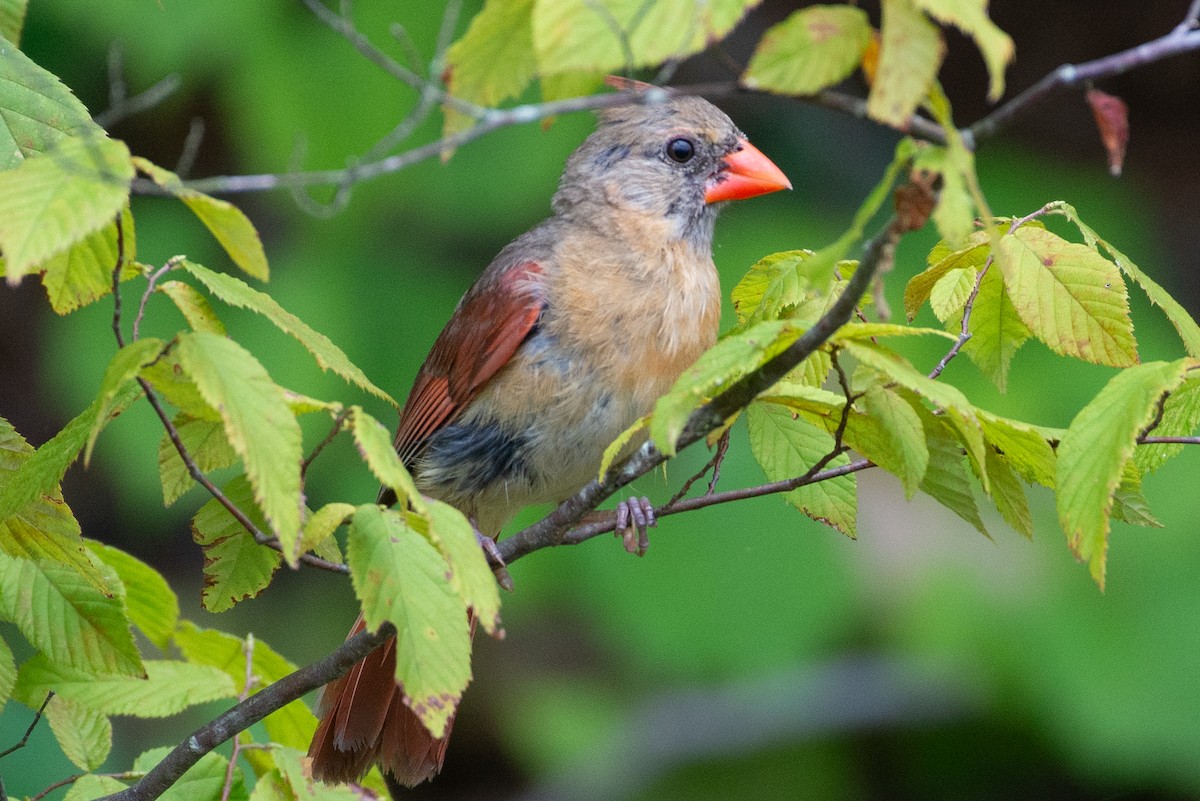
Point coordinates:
[[364, 720]]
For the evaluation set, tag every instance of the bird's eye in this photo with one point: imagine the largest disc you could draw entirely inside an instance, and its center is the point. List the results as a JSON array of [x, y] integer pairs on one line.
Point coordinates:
[[681, 150]]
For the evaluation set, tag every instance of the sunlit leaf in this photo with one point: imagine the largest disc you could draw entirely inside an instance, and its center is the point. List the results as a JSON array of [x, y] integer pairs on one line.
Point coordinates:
[[812, 49], [1095, 449], [322, 523], [622, 444], [951, 291], [911, 52], [52, 200], [89, 788], [208, 447], [451, 533], [235, 566], [1008, 494], [494, 59], [997, 332], [400, 578], [150, 602], [943, 259], [1025, 447], [258, 423], [84, 734], [374, 444], [122, 369], [36, 109], [82, 273], [890, 434], [194, 306], [772, 285]]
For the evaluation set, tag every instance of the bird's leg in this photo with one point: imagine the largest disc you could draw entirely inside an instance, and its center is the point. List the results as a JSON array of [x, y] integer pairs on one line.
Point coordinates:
[[635, 517], [495, 560]]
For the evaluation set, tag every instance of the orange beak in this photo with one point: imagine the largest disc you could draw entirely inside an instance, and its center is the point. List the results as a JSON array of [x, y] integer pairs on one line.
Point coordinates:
[[747, 173]]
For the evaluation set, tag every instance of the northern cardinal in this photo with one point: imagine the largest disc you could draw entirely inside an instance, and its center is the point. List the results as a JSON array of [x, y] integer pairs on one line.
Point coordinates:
[[569, 335]]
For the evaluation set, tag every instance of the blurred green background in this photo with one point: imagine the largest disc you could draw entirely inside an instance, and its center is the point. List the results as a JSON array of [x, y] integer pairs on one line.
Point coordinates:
[[752, 653]]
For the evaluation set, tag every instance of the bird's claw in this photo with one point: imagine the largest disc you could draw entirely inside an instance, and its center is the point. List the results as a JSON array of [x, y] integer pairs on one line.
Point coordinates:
[[495, 560], [635, 517]]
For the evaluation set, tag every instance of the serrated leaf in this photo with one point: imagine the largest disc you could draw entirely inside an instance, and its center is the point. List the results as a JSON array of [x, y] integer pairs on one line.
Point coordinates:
[[169, 687], [1071, 297], [857, 331], [773, 284], [717, 368], [891, 436], [400, 578], [1178, 316], [322, 523], [620, 446], [83, 273], [122, 369], [194, 307], [1024, 446], [208, 447], [911, 52], [84, 735], [612, 35], [224, 220], [470, 576], [1181, 418], [292, 725], [235, 566], [943, 259], [950, 293], [374, 443], [787, 446], [997, 332], [66, 617], [1095, 449], [946, 479], [36, 109], [812, 49], [12, 18], [1008, 494], [89, 788], [970, 16], [1130, 506], [8, 673], [258, 423], [204, 781], [328, 355], [493, 61], [150, 602], [801, 397], [171, 381], [52, 200]]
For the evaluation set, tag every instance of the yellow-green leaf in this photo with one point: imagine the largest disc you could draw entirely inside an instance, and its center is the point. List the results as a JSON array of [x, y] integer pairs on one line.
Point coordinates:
[[401, 578], [8, 673], [122, 369], [195, 307], [943, 259], [494, 59], [12, 18], [52, 200], [82, 273], [1008, 494], [36, 109], [622, 444], [204, 781], [205, 442], [1181, 417], [858, 331], [470, 576], [235, 566], [970, 16], [374, 444], [89, 788], [950, 293], [258, 423], [1026, 447], [910, 54], [997, 332], [946, 478], [224, 220], [1069, 296], [812, 49], [954, 214], [322, 523], [84, 735], [150, 602], [774, 284], [1095, 449], [890, 434]]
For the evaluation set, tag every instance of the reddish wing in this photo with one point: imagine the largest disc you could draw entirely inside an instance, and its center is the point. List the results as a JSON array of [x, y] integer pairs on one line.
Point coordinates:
[[484, 333]]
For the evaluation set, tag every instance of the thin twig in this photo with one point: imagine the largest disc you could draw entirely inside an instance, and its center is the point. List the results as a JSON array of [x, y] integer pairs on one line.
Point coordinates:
[[116, 283], [964, 331], [120, 104], [712, 464], [151, 283], [1168, 440], [191, 147], [334, 430], [717, 461], [37, 716]]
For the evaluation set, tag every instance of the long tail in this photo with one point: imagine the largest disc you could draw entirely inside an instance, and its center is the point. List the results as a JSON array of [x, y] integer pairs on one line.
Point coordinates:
[[364, 720]]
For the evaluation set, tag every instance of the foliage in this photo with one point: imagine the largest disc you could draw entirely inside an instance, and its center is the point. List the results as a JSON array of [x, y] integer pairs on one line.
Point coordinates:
[[851, 403]]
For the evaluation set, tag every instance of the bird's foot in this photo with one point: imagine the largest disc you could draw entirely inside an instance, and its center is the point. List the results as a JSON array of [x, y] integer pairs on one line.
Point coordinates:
[[495, 560], [635, 518]]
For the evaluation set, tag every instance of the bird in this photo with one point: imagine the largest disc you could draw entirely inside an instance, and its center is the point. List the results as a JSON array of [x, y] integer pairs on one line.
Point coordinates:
[[568, 337]]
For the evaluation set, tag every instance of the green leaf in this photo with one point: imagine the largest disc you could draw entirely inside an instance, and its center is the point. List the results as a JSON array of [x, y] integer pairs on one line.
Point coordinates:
[[942, 259], [946, 479], [950, 293], [1008, 494], [400, 578], [470, 576], [36, 110], [12, 18], [997, 332], [1178, 316], [208, 446], [224, 220], [858, 331], [122, 369], [66, 617], [773, 284], [1095, 449], [294, 724], [374, 443], [812, 49], [717, 369], [787, 446], [1181, 418], [910, 53], [149, 601], [83, 273], [328, 355], [168, 688], [1024, 446], [970, 16], [84, 735], [168, 377], [8, 673], [493, 61], [52, 200], [235, 566], [204, 781], [1071, 297], [564, 85], [258, 423], [321, 524], [613, 35], [891, 436], [89, 788], [1130, 506], [194, 306]]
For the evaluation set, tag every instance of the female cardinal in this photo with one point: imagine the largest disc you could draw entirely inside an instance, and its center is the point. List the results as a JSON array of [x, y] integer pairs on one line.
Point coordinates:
[[569, 335]]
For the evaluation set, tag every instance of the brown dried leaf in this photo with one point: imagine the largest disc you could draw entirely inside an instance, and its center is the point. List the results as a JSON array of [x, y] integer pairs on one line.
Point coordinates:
[[1112, 119]]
